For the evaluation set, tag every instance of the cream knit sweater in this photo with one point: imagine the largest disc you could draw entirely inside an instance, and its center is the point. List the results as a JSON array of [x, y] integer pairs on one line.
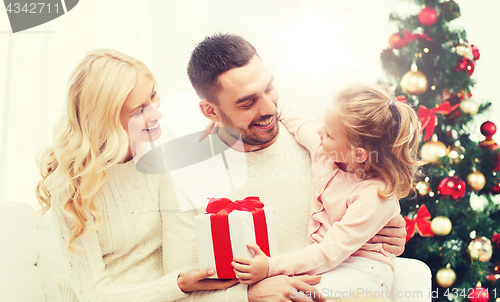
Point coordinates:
[[122, 261]]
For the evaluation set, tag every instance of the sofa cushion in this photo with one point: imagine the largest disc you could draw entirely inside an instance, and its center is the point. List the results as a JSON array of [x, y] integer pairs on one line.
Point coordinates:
[[21, 279], [412, 281], [49, 257]]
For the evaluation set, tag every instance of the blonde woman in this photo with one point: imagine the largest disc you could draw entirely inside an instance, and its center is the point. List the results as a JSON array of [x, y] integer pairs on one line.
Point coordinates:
[[106, 213]]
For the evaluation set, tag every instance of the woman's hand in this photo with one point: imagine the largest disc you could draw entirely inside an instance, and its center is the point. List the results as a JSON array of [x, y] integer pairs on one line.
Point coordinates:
[[197, 280]]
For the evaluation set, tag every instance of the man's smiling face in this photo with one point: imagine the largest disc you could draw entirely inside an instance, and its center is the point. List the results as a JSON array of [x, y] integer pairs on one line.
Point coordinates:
[[247, 103]]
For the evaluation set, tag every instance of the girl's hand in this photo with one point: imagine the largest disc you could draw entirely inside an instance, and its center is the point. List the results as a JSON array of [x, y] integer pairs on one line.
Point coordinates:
[[212, 128], [251, 270], [197, 280]]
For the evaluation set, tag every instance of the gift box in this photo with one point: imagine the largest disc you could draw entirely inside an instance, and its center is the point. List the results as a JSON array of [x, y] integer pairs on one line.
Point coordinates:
[[225, 230]]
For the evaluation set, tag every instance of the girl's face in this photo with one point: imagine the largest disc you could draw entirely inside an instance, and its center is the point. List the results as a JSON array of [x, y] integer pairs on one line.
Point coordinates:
[[140, 116], [333, 139]]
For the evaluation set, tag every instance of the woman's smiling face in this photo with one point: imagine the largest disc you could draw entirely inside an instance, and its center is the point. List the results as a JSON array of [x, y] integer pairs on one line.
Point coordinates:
[[140, 116]]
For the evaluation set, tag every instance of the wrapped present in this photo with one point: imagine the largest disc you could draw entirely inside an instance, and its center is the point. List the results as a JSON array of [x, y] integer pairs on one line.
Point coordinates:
[[225, 230]]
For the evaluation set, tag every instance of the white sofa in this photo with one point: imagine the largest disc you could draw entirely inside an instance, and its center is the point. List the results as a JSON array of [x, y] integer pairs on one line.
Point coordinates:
[[30, 259]]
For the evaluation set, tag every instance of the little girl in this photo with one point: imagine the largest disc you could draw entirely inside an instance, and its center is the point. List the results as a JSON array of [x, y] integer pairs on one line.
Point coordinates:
[[363, 161]]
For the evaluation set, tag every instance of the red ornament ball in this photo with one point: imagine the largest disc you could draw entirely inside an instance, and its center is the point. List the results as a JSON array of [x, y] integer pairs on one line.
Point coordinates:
[[427, 16], [488, 129], [394, 40], [479, 294], [452, 186], [466, 65]]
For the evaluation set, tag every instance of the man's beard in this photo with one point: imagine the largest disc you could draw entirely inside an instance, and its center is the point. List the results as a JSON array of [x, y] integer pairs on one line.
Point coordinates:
[[246, 134]]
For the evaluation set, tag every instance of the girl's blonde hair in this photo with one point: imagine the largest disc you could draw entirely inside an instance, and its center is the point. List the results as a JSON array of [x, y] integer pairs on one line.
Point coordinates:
[[387, 129], [89, 138]]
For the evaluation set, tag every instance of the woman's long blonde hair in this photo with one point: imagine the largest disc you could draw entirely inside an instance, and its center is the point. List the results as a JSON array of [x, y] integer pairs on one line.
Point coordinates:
[[389, 134], [89, 138]]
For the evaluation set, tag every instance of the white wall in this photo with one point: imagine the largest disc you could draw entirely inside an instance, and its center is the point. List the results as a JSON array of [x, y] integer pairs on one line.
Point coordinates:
[[312, 47]]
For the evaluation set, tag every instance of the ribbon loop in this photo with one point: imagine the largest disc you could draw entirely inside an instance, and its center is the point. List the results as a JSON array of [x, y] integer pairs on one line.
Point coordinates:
[[225, 206], [401, 99], [409, 37], [428, 117], [496, 239], [421, 224]]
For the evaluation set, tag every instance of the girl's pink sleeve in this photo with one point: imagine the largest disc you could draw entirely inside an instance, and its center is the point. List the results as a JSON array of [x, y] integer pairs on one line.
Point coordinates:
[[300, 123]]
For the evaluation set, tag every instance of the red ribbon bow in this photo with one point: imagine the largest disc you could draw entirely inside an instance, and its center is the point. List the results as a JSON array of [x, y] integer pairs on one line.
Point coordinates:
[[496, 239], [401, 99], [475, 52], [410, 37], [428, 117], [421, 223], [224, 206], [221, 239]]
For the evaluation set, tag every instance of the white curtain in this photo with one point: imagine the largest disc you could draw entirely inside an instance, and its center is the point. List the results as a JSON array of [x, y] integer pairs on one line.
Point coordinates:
[[312, 47]]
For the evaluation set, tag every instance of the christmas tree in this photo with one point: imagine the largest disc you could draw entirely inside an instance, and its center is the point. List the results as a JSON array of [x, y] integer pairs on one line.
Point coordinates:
[[429, 65]]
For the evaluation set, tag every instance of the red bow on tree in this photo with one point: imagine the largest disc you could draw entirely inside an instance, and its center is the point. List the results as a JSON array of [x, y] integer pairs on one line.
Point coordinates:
[[410, 37], [421, 223], [428, 117], [496, 239], [475, 52], [401, 99]]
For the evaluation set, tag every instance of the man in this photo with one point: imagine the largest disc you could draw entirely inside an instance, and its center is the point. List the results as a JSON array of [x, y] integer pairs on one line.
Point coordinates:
[[237, 91]]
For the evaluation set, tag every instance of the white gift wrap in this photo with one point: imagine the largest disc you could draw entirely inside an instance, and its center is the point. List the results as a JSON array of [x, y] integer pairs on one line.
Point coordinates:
[[241, 229]]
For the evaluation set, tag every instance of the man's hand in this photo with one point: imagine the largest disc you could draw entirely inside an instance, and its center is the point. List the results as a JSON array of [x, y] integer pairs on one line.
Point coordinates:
[[392, 236], [251, 270], [283, 288], [195, 280]]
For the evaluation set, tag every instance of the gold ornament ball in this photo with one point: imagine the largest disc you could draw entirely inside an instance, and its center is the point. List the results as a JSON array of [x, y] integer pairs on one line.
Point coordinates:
[[423, 188], [480, 248], [446, 277], [476, 181], [464, 50], [433, 150], [468, 106], [414, 82], [456, 153], [441, 225]]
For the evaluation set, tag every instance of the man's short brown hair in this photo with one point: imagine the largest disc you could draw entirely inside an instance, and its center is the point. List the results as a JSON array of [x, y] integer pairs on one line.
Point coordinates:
[[213, 56]]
